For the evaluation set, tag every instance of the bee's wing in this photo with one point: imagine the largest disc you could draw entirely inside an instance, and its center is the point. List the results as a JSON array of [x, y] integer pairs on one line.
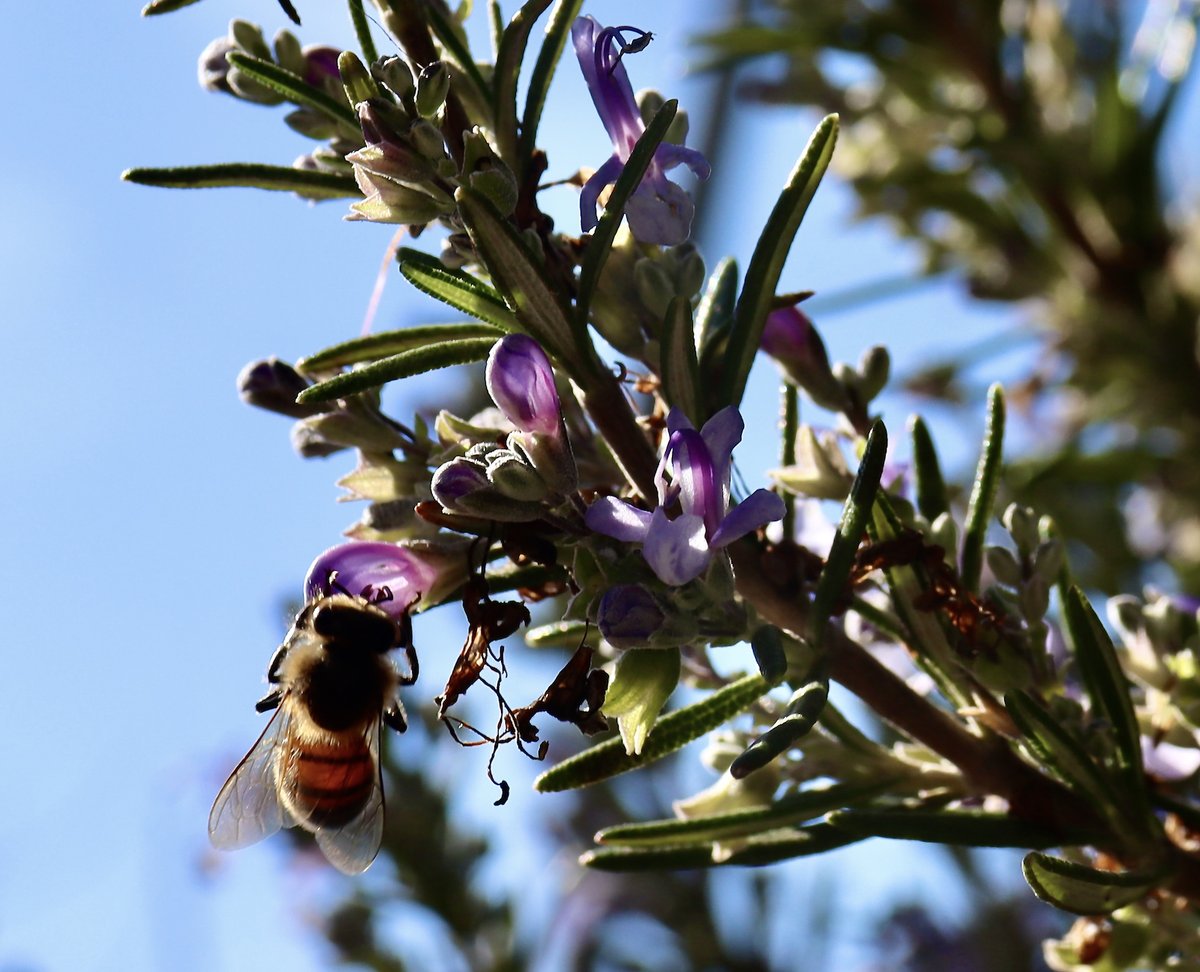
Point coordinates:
[[352, 848], [247, 808]]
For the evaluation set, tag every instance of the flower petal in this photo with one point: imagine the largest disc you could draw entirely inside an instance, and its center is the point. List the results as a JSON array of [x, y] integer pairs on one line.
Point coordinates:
[[668, 155], [589, 197], [695, 478], [660, 212], [676, 550], [617, 519], [365, 565], [756, 510]]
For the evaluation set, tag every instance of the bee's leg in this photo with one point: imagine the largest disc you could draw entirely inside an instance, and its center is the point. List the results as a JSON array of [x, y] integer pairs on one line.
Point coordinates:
[[269, 701], [394, 717], [276, 663], [404, 641]]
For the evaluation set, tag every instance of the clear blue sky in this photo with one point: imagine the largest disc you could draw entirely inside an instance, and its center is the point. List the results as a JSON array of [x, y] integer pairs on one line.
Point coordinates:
[[152, 525]]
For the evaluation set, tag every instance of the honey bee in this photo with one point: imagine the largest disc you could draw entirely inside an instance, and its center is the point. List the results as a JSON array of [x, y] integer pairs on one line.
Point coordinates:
[[316, 765]]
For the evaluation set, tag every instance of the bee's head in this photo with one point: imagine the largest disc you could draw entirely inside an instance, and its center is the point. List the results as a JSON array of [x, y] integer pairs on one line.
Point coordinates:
[[353, 621]]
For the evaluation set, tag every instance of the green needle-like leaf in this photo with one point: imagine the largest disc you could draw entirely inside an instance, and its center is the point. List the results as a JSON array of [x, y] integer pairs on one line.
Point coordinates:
[[397, 366], [803, 711], [508, 71], [563, 16], [795, 808], [1108, 690], [248, 175], [753, 852], [614, 211], [770, 253], [296, 90], [1060, 752], [1084, 890], [362, 31], [767, 645], [680, 372], [856, 514], [932, 500], [714, 314], [165, 6], [983, 492], [455, 287], [673, 731], [537, 304], [964, 828], [374, 347]]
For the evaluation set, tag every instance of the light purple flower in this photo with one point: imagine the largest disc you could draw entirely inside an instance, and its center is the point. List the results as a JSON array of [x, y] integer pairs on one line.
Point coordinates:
[[521, 382], [658, 211], [693, 517], [414, 574]]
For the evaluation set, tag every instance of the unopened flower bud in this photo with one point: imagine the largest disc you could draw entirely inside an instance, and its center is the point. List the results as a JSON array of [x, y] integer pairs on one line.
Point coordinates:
[[213, 69], [273, 384], [790, 338], [462, 486], [874, 369], [356, 79], [628, 616], [432, 87], [310, 443], [417, 574], [515, 478], [427, 139], [322, 63], [395, 73], [520, 380], [288, 52], [313, 436], [249, 38]]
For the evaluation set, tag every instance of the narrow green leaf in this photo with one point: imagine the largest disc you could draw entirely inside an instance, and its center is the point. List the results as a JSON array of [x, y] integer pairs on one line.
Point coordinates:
[[455, 287], [754, 852], [373, 347], [965, 828], [1108, 690], [714, 313], [558, 634], [296, 90], [789, 428], [538, 306], [561, 19], [165, 6], [767, 645], [795, 808], [1060, 752], [248, 175], [770, 253], [856, 514], [403, 365], [507, 73], [680, 372], [644, 680], [673, 731], [803, 710], [362, 31], [1084, 890], [449, 37], [614, 211], [931, 488], [983, 491]]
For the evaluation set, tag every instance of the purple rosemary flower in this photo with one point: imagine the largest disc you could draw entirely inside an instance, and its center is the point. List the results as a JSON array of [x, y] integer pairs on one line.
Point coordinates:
[[658, 211], [418, 574], [520, 380], [693, 518]]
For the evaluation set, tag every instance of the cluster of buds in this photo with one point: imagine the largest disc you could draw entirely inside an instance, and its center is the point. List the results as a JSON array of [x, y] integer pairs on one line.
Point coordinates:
[[533, 467]]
